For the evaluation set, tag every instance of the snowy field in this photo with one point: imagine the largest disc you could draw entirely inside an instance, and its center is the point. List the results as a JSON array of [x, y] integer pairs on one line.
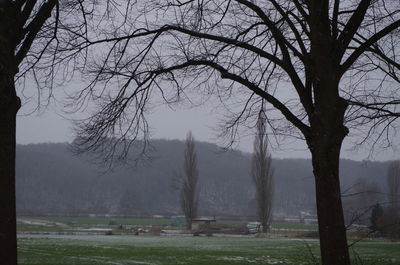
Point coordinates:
[[160, 250]]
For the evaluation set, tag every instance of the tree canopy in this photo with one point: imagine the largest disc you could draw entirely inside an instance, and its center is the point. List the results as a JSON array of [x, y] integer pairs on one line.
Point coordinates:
[[320, 67]]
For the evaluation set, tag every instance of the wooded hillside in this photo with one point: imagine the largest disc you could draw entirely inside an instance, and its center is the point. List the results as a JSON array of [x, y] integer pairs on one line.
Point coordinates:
[[52, 180]]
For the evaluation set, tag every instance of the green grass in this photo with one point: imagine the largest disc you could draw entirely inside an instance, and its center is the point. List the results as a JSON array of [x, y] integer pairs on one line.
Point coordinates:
[[37, 228], [99, 250], [96, 248], [294, 226], [102, 221], [76, 224]]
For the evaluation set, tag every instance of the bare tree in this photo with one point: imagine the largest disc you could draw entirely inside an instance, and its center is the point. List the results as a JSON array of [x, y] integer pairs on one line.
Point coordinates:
[[42, 43], [17, 32], [28, 29], [262, 174], [393, 181], [189, 193], [322, 66]]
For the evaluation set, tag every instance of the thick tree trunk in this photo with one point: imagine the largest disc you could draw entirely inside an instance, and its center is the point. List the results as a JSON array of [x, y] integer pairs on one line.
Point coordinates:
[[9, 105], [326, 136], [332, 231], [325, 143]]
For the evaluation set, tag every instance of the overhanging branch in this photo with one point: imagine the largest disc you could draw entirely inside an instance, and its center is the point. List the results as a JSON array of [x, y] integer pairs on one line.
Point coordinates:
[[225, 74], [367, 44]]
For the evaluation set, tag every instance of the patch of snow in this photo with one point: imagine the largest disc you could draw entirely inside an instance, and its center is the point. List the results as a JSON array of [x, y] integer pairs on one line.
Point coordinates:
[[267, 259], [93, 229]]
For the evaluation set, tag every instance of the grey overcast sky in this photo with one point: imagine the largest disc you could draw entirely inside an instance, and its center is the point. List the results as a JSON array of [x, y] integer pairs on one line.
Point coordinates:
[[50, 126]]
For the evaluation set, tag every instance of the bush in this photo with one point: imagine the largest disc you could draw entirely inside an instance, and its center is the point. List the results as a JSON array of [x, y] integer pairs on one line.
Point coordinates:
[[376, 213], [389, 223]]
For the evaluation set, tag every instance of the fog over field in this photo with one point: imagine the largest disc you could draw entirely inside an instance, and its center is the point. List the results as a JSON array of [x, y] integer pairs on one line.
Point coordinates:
[[52, 180]]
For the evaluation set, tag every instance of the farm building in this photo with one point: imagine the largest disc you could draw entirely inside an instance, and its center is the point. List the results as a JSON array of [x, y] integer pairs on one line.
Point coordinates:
[[202, 222]]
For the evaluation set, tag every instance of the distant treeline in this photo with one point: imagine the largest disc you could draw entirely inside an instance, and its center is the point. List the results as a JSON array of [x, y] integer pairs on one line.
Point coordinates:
[[52, 180]]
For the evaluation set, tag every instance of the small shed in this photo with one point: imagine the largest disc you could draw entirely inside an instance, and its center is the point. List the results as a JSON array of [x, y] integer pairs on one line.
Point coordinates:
[[202, 222]]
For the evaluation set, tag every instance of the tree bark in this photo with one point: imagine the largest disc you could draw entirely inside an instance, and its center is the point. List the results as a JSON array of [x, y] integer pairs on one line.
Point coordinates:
[[326, 136], [328, 133], [332, 231], [9, 105]]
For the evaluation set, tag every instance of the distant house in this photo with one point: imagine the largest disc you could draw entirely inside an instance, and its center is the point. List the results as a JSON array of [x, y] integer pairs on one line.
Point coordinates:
[[254, 227], [202, 222]]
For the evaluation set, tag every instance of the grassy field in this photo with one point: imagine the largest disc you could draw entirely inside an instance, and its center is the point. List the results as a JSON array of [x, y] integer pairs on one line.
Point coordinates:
[[73, 224], [101, 221], [83, 241], [160, 250]]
